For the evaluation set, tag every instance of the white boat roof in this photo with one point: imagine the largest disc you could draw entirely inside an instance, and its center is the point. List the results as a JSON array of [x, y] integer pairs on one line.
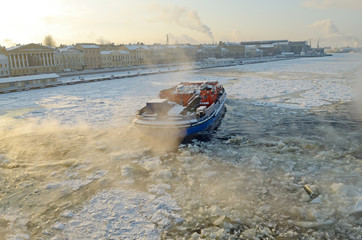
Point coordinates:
[[157, 100], [176, 110]]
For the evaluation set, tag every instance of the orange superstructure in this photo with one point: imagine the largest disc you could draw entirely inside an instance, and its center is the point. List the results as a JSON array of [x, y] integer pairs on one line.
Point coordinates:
[[182, 93]]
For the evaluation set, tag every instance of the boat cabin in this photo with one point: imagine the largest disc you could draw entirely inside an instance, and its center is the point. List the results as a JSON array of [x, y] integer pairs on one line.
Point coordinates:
[[183, 93]]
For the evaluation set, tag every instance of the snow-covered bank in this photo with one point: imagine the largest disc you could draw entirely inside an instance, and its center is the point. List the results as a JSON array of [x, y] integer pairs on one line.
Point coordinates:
[[97, 75], [73, 168]]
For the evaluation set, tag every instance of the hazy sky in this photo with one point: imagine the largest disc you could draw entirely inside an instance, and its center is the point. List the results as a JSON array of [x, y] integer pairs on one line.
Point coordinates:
[[331, 22]]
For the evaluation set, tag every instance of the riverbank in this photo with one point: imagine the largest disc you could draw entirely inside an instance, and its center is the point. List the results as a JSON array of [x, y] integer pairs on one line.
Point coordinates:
[[96, 75]]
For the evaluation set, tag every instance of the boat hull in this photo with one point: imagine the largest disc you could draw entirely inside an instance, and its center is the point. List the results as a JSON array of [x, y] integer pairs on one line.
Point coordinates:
[[208, 125]]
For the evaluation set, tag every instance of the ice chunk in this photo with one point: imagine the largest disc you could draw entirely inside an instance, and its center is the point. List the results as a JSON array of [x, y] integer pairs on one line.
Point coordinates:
[[159, 189], [67, 214], [151, 163], [20, 236], [97, 175], [339, 188], [255, 161], [249, 234], [195, 236], [165, 174], [317, 200], [219, 221], [127, 171], [357, 211], [57, 226], [312, 214], [52, 185], [305, 224]]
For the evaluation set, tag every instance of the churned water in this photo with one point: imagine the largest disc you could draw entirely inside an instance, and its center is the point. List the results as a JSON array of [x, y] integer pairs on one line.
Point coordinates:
[[285, 162]]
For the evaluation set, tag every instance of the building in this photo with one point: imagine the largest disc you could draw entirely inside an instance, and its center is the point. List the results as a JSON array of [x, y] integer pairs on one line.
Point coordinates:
[[4, 66], [186, 53], [251, 51], [235, 50], [27, 82], [69, 59], [115, 58], [31, 59], [92, 55], [258, 43], [207, 51], [138, 54], [157, 54], [160, 54], [299, 47], [281, 47], [268, 49]]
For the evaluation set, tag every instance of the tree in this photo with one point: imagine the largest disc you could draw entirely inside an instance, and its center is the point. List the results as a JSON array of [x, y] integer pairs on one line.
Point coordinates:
[[49, 41]]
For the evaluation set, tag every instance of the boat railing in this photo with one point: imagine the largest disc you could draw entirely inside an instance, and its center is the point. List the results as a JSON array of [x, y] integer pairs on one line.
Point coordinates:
[[210, 109]]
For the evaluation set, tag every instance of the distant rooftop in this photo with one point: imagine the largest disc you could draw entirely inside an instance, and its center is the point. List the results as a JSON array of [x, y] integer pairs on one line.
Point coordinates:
[[89, 46], [136, 46], [36, 45], [208, 46], [263, 42], [233, 44], [68, 49], [266, 46], [114, 52]]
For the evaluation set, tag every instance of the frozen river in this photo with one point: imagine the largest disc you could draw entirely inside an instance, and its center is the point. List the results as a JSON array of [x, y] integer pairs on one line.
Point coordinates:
[[72, 167]]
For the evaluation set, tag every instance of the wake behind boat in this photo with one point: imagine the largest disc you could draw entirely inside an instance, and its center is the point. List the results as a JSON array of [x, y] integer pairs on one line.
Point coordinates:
[[184, 110]]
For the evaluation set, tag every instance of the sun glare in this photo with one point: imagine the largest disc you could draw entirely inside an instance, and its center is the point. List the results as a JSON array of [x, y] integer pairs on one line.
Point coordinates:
[[29, 22]]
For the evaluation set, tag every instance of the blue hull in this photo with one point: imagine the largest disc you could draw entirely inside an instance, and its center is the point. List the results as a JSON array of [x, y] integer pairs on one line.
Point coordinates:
[[210, 124]]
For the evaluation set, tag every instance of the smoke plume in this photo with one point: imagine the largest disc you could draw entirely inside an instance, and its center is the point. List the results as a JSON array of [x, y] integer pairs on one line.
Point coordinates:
[[326, 26], [329, 33], [183, 17], [101, 40]]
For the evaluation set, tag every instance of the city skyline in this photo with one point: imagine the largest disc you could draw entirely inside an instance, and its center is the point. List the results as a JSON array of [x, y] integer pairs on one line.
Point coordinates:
[[327, 22]]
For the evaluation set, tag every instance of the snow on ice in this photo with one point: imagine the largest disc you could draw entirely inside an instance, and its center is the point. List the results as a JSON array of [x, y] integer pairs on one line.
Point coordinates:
[[125, 214]]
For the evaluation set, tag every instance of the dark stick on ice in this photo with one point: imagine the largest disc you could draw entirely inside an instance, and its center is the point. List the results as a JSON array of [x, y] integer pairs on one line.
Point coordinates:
[[311, 194]]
